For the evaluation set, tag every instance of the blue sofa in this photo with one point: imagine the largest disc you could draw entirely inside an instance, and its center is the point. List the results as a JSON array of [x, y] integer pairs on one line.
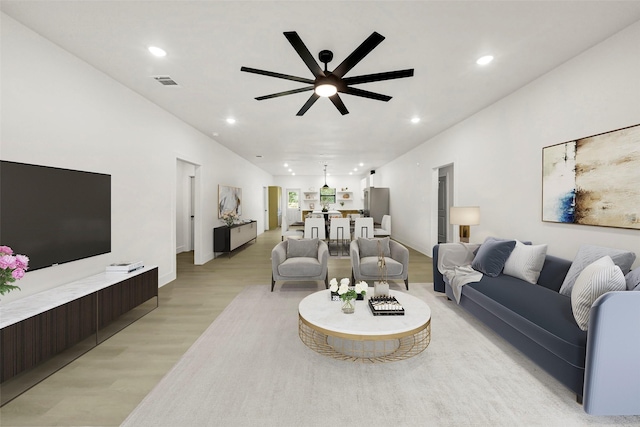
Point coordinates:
[[539, 322]]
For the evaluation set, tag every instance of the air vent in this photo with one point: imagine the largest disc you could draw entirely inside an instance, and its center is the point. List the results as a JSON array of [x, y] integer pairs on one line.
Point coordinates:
[[165, 80]]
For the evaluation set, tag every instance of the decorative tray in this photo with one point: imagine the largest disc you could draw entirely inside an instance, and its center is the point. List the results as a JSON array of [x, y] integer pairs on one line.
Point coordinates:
[[385, 306]]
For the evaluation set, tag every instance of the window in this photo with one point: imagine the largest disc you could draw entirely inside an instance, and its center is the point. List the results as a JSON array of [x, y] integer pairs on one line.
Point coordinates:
[[293, 202], [327, 195]]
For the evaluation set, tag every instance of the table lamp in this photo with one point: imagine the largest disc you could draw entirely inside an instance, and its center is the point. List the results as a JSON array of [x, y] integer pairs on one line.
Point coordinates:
[[464, 216]]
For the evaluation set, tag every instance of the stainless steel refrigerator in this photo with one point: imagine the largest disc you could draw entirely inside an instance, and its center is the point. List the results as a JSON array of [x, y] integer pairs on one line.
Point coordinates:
[[376, 203]]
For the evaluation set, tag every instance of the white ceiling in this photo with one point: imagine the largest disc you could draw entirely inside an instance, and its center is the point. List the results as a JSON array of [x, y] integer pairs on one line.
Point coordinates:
[[208, 41]]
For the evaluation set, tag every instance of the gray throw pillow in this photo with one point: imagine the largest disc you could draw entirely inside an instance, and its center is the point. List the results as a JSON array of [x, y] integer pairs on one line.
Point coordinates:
[[595, 280], [633, 280], [302, 248], [369, 247], [590, 253], [492, 255]]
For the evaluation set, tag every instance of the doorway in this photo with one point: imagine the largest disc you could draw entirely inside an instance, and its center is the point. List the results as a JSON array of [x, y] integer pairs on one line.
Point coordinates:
[[294, 214], [442, 209], [187, 206], [444, 201]]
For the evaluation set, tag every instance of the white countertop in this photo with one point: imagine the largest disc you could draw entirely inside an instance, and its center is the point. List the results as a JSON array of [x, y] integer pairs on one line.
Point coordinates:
[[320, 311], [327, 212], [32, 305]]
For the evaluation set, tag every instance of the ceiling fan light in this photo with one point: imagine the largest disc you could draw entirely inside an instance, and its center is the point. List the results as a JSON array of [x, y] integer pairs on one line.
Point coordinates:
[[484, 60], [326, 90], [156, 51]]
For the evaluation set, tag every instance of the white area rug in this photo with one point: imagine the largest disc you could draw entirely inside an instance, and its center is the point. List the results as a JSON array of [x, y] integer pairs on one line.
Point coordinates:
[[249, 368]]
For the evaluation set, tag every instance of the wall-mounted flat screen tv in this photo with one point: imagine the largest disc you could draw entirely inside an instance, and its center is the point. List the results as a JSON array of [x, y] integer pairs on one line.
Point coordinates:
[[54, 215]]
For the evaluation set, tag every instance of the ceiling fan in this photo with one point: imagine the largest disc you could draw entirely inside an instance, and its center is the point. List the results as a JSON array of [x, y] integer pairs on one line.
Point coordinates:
[[329, 83]]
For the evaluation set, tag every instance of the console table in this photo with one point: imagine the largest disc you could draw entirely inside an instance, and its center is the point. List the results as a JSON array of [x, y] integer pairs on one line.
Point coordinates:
[[42, 333], [227, 239]]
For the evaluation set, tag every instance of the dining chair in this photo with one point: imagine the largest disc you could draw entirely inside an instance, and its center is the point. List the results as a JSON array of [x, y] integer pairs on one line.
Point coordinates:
[[314, 228], [288, 233], [363, 228], [340, 233], [385, 227]]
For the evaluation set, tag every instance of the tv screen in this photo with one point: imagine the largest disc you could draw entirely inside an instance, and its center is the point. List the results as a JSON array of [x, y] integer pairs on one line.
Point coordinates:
[[54, 215]]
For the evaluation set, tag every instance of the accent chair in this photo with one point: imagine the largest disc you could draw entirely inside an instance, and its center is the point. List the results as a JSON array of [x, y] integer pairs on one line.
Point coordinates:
[[364, 260], [300, 261]]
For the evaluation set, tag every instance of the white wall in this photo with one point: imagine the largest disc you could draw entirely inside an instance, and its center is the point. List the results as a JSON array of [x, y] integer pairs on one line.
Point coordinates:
[[59, 111], [497, 153]]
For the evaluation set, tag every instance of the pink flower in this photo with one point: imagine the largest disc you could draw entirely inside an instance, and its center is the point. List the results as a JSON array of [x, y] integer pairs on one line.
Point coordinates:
[[7, 261], [18, 273], [22, 261], [6, 250]]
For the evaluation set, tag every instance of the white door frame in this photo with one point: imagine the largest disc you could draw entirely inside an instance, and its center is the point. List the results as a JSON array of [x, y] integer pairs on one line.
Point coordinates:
[[293, 215], [198, 253]]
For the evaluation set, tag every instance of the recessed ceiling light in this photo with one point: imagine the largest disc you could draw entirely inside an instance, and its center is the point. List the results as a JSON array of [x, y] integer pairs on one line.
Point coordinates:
[[415, 120], [361, 164], [355, 169], [215, 134], [293, 173], [290, 170], [231, 120], [156, 51], [286, 165], [484, 60]]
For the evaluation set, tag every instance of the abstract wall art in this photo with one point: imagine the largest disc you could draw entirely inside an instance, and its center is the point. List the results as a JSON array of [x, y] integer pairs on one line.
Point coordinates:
[[229, 200], [593, 180]]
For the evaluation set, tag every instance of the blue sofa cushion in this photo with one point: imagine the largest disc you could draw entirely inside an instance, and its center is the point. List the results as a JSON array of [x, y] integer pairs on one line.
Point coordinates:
[[541, 314], [633, 280], [492, 256]]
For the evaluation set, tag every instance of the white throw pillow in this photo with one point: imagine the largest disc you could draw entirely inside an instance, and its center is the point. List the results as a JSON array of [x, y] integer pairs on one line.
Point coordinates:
[[596, 279], [526, 261]]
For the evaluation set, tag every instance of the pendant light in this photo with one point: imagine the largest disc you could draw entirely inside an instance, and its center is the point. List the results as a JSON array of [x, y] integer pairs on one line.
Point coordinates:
[[325, 177]]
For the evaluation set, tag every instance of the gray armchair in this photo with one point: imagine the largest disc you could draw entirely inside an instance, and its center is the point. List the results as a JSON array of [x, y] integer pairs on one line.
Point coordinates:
[[364, 260], [299, 260]]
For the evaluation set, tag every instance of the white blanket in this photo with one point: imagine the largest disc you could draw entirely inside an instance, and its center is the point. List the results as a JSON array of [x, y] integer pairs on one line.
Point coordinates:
[[454, 262]]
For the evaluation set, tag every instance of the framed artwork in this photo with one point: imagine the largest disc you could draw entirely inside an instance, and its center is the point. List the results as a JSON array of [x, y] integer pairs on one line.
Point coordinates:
[[593, 180], [229, 200]]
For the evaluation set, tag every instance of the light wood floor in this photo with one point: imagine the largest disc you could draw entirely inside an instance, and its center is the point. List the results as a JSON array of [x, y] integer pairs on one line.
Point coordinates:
[[103, 386]]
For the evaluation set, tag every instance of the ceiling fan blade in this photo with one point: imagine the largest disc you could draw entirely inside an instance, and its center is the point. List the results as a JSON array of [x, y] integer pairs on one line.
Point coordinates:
[[288, 92], [339, 104], [378, 77], [312, 99], [304, 53], [356, 56], [366, 94], [277, 75]]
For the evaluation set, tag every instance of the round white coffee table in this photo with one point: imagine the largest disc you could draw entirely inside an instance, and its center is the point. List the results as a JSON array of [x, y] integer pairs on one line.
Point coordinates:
[[361, 336]]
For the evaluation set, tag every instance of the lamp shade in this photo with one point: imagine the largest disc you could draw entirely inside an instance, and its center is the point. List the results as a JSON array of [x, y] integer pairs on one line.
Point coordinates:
[[464, 215]]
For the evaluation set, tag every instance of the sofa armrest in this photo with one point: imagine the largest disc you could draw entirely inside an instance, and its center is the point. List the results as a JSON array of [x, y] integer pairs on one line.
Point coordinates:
[[323, 255], [438, 279], [278, 256], [612, 372], [400, 254], [354, 251]]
